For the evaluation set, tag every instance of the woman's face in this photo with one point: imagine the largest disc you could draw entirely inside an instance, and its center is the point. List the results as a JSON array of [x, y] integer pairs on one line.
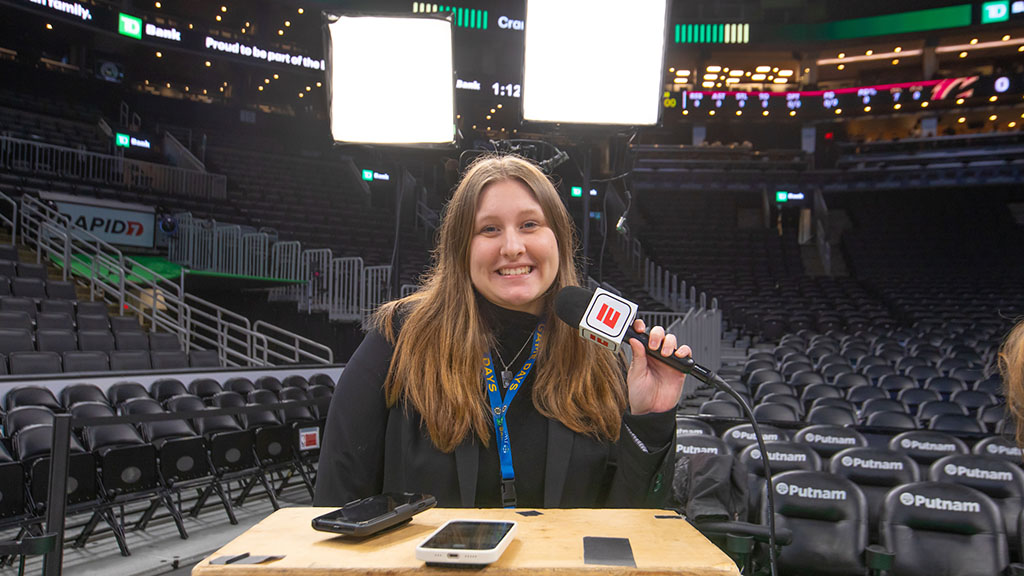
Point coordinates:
[[513, 256]]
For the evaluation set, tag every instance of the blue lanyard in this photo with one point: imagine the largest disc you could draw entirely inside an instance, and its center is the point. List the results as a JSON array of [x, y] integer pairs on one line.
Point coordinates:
[[499, 407]]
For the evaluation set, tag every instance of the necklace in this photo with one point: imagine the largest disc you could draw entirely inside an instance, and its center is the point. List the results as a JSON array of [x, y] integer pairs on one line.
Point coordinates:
[[506, 374]]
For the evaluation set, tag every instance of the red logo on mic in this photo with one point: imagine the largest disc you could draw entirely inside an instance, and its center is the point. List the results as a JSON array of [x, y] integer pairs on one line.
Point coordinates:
[[608, 316]]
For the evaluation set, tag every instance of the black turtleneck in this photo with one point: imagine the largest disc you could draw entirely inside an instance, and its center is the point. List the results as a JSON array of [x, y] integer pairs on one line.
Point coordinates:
[[527, 428]]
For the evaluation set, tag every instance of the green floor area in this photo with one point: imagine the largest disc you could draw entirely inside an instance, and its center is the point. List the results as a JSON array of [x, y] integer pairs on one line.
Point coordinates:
[[82, 265]]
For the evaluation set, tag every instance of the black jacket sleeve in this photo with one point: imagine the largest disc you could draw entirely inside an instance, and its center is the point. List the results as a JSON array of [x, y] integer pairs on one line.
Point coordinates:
[[643, 476], [352, 453]]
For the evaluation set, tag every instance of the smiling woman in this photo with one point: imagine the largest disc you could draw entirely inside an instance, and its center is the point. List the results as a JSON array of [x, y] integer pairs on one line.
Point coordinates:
[[419, 406], [513, 257]]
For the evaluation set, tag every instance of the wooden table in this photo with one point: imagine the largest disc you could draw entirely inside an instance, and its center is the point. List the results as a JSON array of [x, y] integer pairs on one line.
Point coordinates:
[[549, 543]]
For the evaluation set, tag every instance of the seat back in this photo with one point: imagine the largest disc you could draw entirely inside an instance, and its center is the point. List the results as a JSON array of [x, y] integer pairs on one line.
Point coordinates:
[[828, 517], [742, 435], [85, 361], [927, 446], [693, 444], [783, 456], [166, 388], [120, 392], [827, 439], [31, 396], [35, 363], [998, 479], [74, 393], [129, 360], [998, 447], [875, 471], [943, 528]]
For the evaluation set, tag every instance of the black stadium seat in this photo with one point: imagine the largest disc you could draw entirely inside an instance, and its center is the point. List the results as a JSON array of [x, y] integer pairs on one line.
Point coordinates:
[[85, 361], [75, 393], [168, 360], [782, 456], [14, 321], [998, 479], [31, 396], [163, 341], [15, 340], [927, 446], [129, 360], [34, 363], [827, 439], [875, 471], [58, 341], [943, 528], [204, 359], [828, 517]]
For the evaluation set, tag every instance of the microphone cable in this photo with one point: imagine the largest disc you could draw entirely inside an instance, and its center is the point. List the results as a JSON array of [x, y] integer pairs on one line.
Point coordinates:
[[713, 379]]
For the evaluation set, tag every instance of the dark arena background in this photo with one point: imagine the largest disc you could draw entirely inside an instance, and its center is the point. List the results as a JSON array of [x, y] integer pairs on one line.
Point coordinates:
[[830, 213]]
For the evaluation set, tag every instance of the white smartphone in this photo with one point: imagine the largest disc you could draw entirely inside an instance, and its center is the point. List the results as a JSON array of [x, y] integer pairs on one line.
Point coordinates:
[[467, 542]]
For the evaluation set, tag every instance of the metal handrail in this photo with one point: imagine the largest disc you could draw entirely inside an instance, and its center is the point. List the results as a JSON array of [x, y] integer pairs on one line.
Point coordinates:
[[155, 298], [265, 351]]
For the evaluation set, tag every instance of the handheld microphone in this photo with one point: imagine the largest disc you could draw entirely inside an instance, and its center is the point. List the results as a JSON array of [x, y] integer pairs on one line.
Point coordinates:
[[606, 319]]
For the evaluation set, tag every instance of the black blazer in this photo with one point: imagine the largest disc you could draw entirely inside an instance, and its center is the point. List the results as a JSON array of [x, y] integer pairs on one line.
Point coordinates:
[[369, 448]]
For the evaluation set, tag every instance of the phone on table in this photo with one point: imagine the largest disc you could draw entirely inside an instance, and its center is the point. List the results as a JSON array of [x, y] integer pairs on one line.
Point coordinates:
[[467, 542], [371, 515]]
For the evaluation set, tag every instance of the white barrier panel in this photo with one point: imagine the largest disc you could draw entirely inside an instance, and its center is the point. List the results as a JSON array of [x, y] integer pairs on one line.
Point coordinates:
[[286, 263], [227, 242], [344, 285], [255, 254], [376, 288], [72, 163], [316, 268], [118, 223]]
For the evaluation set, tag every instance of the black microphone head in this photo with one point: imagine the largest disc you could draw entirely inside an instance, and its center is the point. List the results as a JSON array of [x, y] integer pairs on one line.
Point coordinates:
[[571, 304]]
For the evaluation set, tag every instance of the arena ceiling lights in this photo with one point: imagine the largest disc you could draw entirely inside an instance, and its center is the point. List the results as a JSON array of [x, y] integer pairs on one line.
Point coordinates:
[[594, 61], [390, 79]]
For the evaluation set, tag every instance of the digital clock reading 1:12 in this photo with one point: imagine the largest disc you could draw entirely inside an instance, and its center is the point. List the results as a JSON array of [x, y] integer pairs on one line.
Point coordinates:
[[510, 90]]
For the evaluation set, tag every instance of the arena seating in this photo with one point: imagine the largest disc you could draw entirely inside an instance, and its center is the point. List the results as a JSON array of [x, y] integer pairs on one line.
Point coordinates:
[[154, 464]]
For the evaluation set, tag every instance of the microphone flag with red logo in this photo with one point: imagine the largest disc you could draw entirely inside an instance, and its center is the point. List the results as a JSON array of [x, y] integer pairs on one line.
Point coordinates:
[[607, 318]]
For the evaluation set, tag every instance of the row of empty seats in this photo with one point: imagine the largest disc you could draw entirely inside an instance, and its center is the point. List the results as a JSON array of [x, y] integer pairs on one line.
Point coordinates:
[[159, 460]]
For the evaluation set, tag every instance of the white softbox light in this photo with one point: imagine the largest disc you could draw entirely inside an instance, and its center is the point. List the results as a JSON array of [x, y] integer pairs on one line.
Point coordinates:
[[390, 79], [594, 61]]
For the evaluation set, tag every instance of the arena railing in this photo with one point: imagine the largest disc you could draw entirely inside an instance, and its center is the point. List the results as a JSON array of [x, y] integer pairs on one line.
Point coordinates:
[[133, 287], [72, 163], [345, 288]]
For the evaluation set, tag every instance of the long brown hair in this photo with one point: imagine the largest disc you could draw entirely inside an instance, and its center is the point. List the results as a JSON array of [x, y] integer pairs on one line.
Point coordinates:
[[437, 366], [1011, 368]]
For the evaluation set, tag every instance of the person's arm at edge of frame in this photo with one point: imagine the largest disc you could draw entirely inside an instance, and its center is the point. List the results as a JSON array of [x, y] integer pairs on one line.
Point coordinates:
[[352, 456]]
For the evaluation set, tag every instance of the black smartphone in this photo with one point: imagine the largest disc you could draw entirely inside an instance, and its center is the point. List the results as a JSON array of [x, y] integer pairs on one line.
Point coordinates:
[[371, 515]]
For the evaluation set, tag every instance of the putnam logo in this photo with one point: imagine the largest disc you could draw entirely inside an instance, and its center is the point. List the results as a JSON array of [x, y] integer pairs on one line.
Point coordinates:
[[977, 473], [929, 446], [785, 489], [921, 501], [869, 464], [999, 449], [683, 449], [822, 439], [744, 435], [689, 432], [779, 456]]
